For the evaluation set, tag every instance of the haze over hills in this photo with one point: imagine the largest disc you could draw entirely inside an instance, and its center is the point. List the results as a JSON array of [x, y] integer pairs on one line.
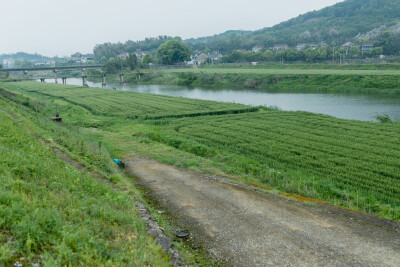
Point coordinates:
[[350, 20]]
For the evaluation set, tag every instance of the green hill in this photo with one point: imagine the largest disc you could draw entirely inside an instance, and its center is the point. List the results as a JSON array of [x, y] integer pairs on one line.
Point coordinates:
[[351, 20]]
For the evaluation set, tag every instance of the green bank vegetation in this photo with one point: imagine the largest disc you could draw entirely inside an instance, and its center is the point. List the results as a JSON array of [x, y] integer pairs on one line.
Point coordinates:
[[53, 214], [348, 163], [386, 81]]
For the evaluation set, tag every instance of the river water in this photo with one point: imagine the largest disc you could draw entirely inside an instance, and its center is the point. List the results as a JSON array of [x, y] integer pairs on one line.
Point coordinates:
[[341, 105]]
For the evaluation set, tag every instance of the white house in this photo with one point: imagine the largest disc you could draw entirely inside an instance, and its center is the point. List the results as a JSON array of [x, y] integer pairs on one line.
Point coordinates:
[[280, 47], [302, 46], [256, 49], [366, 47], [8, 63], [123, 55], [140, 54]]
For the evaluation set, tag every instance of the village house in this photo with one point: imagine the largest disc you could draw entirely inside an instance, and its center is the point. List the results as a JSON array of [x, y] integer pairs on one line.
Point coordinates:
[[123, 55], [140, 54], [347, 46], [87, 58], [366, 47], [256, 49], [302, 46], [214, 56], [8, 63], [193, 60], [280, 47], [201, 58], [76, 57]]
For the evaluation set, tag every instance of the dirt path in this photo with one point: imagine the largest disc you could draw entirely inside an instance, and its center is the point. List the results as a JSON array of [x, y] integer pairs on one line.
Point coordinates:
[[249, 228]]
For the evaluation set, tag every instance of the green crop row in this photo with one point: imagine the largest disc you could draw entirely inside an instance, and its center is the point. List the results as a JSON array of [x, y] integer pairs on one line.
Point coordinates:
[[353, 157], [129, 104]]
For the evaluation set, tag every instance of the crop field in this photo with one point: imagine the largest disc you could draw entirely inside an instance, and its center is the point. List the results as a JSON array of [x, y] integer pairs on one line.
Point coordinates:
[[349, 163], [339, 158], [129, 104], [288, 71]]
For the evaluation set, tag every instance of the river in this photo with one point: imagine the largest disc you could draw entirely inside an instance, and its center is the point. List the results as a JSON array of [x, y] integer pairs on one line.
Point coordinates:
[[341, 105]]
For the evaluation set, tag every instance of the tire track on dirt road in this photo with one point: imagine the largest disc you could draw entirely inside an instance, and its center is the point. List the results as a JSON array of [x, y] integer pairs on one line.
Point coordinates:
[[246, 227]]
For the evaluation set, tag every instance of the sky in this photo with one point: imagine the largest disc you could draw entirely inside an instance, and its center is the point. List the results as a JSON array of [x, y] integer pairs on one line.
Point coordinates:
[[63, 27]]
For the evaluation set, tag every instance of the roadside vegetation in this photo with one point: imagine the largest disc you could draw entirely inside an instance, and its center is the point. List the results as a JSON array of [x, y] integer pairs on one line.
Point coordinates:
[[348, 163]]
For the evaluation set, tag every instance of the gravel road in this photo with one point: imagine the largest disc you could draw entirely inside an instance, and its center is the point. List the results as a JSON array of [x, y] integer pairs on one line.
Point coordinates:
[[246, 227]]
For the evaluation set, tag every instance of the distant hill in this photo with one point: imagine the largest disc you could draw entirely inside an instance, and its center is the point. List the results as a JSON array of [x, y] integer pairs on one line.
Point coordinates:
[[22, 55], [351, 20]]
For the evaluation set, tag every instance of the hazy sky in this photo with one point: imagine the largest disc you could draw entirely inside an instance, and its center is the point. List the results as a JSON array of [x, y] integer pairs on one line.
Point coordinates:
[[63, 27]]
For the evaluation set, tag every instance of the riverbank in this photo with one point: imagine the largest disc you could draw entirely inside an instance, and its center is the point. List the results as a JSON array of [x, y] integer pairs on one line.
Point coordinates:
[[293, 152], [277, 80]]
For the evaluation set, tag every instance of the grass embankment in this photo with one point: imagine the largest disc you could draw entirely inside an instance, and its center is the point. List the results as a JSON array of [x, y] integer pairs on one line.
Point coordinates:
[[349, 163], [52, 214], [288, 79]]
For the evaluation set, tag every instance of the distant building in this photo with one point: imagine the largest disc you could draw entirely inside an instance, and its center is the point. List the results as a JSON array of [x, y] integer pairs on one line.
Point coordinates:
[[8, 63], [87, 58], [366, 47], [193, 60], [241, 50], [123, 55], [214, 56], [347, 46], [76, 57], [202, 58], [256, 49], [140, 54], [302, 46], [280, 47]]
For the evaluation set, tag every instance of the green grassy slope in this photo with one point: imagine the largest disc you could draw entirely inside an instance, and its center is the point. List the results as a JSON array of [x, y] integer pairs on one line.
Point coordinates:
[[52, 214]]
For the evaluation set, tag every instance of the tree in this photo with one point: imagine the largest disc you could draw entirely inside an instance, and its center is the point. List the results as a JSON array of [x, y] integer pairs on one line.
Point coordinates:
[[132, 61], [172, 52], [103, 60], [112, 66], [147, 59], [354, 51], [268, 55], [376, 51], [310, 54]]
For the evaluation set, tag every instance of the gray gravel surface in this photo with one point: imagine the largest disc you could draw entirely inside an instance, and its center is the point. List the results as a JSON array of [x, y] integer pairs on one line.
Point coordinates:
[[246, 227]]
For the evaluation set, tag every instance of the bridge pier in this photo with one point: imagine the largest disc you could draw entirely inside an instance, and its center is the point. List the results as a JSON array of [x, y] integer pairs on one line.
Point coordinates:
[[84, 80], [64, 80], [42, 80], [103, 80], [121, 78]]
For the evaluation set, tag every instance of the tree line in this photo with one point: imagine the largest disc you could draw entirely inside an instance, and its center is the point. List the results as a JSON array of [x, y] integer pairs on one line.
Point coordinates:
[[308, 54]]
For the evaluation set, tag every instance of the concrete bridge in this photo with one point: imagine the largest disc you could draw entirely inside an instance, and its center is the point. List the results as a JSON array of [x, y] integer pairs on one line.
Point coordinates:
[[54, 69], [84, 78]]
